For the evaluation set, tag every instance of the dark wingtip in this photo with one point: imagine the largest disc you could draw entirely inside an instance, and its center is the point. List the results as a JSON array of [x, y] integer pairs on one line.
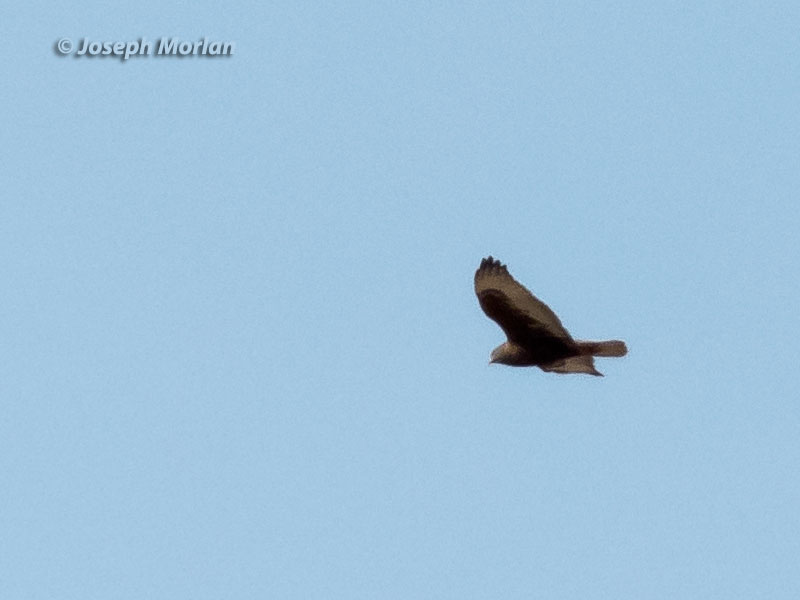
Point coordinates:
[[490, 266], [490, 261]]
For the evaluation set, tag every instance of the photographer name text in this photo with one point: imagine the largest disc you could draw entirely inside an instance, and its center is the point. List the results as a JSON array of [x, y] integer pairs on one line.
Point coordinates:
[[166, 46]]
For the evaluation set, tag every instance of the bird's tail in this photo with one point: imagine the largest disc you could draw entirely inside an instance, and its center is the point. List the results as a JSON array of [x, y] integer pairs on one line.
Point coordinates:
[[607, 348]]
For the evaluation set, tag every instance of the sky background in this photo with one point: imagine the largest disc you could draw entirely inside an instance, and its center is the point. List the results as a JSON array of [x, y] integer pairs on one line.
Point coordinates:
[[240, 352]]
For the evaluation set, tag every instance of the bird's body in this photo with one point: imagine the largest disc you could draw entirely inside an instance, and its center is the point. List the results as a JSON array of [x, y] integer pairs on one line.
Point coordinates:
[[536, 336]]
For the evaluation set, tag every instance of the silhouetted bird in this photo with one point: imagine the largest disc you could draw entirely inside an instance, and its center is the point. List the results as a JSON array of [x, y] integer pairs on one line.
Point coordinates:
[[535, 335]]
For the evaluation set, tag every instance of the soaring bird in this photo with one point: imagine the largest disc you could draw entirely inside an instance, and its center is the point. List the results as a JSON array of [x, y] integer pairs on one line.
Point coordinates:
[[535, 335]]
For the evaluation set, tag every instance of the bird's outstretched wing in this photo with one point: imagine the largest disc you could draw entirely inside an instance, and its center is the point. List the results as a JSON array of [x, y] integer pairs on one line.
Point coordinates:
[[573, 364], [524, 318]]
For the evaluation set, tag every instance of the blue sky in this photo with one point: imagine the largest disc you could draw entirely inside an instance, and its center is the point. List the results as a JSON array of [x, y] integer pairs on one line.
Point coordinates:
[[241, 354]]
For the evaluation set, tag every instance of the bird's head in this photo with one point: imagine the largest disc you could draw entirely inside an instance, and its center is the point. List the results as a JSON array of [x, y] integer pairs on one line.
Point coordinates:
[[498, 354]]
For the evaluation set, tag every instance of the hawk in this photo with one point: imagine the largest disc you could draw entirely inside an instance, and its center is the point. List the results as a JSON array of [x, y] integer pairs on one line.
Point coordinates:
[[535, 335]]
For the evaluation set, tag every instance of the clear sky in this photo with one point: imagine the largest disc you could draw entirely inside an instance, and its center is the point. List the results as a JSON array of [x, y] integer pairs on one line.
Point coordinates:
[[240, 352]]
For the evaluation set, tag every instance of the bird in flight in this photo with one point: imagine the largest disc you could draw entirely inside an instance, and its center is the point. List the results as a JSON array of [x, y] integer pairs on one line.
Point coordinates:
[[535, 335]]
